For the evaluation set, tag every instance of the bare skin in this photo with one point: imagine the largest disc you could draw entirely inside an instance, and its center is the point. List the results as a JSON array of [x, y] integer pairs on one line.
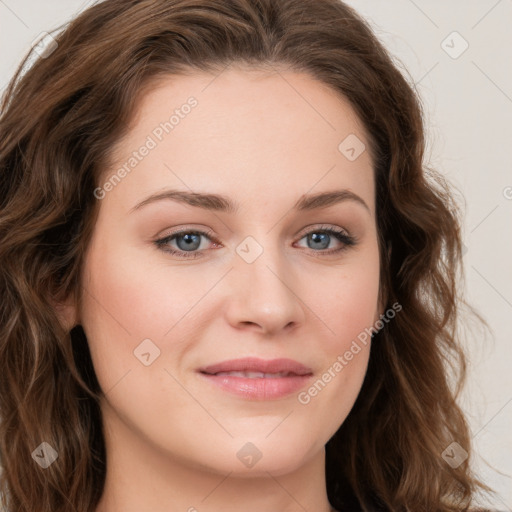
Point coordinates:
[[173, 438]]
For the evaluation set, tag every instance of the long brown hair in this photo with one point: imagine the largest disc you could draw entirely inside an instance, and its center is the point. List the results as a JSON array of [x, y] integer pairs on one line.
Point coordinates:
[[59, 120]]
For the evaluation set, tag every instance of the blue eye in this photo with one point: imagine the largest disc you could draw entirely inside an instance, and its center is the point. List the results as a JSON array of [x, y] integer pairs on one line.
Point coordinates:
[[319, 238], [189, 241]]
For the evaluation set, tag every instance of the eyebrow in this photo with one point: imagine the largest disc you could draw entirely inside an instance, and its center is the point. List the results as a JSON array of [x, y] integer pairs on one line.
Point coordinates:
[[222, 203]]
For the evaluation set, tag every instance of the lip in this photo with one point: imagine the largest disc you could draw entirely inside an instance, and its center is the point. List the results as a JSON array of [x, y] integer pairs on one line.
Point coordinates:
[[259, 388]]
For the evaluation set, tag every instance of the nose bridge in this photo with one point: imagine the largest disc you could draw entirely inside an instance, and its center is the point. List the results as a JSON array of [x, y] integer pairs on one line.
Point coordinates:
[[262, 291]]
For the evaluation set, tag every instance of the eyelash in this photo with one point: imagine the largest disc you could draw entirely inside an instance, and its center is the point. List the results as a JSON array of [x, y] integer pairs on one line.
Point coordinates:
[[347, 240]]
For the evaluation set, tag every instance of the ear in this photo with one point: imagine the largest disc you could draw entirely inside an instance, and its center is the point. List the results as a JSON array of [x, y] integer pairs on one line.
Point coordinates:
[[67, 312]]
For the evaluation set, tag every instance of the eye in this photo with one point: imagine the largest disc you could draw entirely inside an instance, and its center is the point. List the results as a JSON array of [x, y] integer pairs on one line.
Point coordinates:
[[188, 242], [320, 238]]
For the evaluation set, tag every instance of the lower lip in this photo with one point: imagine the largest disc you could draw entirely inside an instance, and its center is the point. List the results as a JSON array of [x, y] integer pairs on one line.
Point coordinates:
[[259, 389]]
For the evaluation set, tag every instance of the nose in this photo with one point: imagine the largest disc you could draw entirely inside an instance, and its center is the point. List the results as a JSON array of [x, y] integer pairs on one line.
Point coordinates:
[[265, 295]]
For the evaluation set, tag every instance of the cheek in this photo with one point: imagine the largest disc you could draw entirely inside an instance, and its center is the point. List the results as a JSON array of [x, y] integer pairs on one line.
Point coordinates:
[[128, 299], [355, 307], [350, 311], [348, 307], [121, 307], [136, 298], [350, 303]]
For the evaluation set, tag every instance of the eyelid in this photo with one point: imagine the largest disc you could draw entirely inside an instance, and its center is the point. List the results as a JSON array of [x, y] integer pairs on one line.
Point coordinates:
[[321, 227], [188, 229]]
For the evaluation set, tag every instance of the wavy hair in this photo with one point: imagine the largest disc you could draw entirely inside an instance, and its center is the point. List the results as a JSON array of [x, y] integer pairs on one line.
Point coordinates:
[[59, 120]]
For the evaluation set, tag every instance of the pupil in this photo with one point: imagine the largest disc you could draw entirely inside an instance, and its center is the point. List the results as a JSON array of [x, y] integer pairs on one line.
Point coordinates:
[[189, 240], [317, 238]]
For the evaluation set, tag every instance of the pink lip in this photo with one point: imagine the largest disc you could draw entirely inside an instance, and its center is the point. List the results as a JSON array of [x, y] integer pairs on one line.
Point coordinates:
[[265, 388]]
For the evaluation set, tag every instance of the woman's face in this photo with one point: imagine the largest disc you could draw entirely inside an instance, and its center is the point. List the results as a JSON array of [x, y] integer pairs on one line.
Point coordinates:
[[268, 281]]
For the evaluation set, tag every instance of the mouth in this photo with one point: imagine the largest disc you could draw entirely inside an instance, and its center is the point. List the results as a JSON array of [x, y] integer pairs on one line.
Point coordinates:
[[256, 375], [258, 379]]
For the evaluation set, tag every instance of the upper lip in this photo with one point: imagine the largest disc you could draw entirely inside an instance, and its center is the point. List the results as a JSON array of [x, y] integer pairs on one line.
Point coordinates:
[[252, 364]]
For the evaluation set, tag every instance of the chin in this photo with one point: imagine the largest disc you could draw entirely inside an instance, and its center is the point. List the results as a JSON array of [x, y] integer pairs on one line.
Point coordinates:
[[257, 457]]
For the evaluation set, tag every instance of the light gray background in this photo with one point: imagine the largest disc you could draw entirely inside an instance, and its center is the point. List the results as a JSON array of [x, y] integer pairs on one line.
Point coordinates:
[[468, 106]]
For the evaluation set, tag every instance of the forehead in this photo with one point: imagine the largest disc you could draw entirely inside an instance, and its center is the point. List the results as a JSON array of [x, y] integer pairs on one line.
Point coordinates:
[[256, 130]]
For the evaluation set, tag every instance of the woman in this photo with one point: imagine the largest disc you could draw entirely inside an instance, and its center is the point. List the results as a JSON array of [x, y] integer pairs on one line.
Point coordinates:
[[228, 281]]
